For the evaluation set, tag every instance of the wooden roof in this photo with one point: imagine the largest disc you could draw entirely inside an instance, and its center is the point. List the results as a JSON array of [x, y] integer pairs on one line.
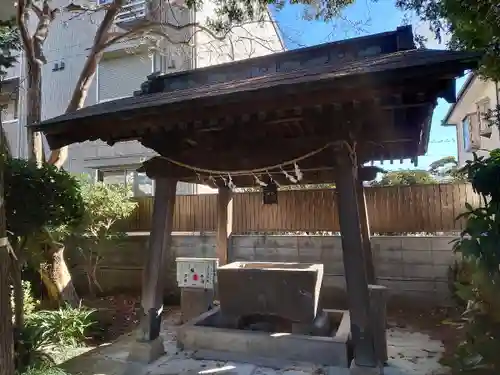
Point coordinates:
[[379, 91]]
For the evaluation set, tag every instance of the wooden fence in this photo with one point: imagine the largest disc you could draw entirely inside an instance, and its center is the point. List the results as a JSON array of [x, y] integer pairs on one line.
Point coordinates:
[[395, 209]]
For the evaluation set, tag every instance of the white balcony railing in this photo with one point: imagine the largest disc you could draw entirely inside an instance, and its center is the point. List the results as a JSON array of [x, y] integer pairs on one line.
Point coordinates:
[[132, 11]]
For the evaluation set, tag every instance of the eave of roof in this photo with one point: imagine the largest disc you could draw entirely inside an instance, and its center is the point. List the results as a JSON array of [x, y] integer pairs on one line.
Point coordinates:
[[463, 90], [372, 65]]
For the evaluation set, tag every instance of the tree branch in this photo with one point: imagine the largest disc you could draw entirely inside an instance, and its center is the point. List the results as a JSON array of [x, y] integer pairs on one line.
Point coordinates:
[[58, 157], [107, 22], [23, 30], [159, 29], [36, 10], [113, 38], [45, 18]]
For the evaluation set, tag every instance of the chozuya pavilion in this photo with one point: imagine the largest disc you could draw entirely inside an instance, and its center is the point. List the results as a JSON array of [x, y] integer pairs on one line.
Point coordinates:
[[317, 113]]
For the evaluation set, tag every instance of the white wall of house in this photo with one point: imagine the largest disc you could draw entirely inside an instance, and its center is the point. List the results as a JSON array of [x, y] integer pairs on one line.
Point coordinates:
[[124, 67], [7, 9], [471, 136], [13, 103], [9, 99], [243, 42]]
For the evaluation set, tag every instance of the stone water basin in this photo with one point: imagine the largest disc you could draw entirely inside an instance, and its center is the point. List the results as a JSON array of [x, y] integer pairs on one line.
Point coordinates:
[[287, 290], [211, 337]]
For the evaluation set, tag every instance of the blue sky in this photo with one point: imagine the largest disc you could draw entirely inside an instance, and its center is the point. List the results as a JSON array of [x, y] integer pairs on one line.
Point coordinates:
[[362, 18]]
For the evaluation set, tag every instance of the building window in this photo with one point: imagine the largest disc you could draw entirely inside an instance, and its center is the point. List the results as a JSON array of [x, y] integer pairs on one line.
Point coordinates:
[[9, 100], [143, 185], [466, 133], [483, 108], [140, 184]]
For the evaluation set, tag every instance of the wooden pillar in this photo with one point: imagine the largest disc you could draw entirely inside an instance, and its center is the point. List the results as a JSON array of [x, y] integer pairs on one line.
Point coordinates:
[[224, 224], [365, 233], [160, 242], [346, 177], [6, 329]]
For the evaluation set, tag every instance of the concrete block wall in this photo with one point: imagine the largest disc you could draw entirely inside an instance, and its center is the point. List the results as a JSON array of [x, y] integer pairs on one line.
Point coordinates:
[[121, 267], [414, 268]]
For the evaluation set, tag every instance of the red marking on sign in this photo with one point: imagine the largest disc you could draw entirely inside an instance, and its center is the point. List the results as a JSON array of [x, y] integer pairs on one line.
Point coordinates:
[[195, 277]]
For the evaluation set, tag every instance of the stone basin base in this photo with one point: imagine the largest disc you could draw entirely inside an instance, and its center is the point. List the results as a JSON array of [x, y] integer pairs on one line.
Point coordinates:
[[208, 341]]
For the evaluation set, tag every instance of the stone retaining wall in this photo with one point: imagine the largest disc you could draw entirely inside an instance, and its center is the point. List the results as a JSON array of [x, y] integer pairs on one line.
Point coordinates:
[[415, 268]]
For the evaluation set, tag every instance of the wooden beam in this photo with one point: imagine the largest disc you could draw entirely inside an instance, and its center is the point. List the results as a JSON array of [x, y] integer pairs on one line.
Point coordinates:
[[354, 264], [449, 92], [249, 158], [157, 167], [224, 223], [251, 148], [151, 117], [312, 131], [159, 255]]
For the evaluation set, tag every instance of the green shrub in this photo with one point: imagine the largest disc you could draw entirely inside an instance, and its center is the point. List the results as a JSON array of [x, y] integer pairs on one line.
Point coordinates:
[[30, 303], [480, 283], [65, 327], [44, 370], [105, 206], [30, 348], [459, 276], [37, 197]]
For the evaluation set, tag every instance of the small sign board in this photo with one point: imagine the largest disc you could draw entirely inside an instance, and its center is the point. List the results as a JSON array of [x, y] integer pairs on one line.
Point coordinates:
[[197, 272]]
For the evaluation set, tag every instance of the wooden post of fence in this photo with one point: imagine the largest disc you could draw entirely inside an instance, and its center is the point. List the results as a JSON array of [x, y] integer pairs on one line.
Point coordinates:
[[224, 223]]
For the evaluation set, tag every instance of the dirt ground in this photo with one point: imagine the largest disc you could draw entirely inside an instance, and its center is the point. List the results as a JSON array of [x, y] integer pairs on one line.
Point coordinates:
[[116, 315], [439, 323]]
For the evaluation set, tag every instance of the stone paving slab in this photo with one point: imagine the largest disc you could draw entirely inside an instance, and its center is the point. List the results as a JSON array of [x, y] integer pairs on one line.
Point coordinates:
[[410, 353]]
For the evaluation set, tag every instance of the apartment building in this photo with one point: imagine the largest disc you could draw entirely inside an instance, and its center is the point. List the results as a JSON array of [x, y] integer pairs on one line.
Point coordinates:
[[474, 133], [122, 70]]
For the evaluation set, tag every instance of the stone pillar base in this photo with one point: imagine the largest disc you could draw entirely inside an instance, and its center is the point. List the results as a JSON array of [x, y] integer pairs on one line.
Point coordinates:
[[378, 316], [146, 351], [194, 302], [362, 370]]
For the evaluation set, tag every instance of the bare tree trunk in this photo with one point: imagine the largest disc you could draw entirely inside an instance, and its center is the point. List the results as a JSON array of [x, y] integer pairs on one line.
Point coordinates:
[[59, 156], [94, 275], [92, 264], [34, 113], [55, 272], [33, 48], [56, 276], [90, 282], [6, 332]]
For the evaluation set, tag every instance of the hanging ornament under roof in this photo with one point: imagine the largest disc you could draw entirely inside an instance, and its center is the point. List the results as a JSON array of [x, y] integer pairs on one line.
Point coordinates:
[[270, 193]]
